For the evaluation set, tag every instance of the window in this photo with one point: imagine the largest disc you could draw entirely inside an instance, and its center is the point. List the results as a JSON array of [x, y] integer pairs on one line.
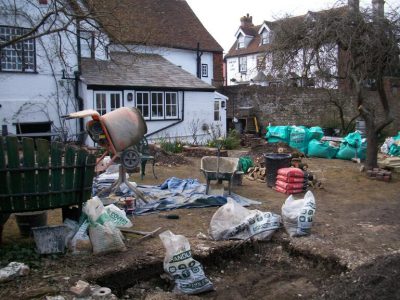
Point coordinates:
[[204, 70], [115, 101], [265, 37], [261, 64], [241, 42], [142, 103], [107, 101], [157, 110], [243, 64], [21, 56], [87, 43], [101, 103], [171, 105], [216, 111]]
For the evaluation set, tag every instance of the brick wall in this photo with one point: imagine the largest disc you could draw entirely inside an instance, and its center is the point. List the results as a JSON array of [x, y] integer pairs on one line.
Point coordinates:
[[296, 106], [218, 63]]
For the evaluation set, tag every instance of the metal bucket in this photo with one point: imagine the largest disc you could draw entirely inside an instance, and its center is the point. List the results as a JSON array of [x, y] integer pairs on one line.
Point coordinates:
[[49, 239], [273, 162], [125, 126]]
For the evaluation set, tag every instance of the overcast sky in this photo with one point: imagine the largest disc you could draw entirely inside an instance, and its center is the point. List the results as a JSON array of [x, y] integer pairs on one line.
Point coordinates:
[[222, 17]]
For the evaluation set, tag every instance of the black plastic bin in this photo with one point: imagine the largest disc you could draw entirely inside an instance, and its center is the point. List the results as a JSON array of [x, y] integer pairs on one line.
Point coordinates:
[[273, 162]]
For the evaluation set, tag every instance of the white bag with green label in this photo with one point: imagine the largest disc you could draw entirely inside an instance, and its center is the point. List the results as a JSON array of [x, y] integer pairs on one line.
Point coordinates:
[[233, 221], [187, 273], [298, 214]]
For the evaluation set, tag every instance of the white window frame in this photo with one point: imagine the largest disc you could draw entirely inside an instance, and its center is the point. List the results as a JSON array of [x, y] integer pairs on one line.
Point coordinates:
[[240, 44], [107, 98], [156, 105], [19, 57], [265, 37], [204, 70], [217, 112], [142, 105], [171, 105], [243, 64]]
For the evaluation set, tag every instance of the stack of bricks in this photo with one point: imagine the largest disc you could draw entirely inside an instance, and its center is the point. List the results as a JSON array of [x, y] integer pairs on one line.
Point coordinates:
[[379, 174]]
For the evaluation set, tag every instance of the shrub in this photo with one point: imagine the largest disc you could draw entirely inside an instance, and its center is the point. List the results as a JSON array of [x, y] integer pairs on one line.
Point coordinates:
[[175, 146]]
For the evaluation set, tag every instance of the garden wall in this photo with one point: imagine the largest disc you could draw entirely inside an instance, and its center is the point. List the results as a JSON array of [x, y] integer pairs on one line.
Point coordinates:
[[296, 106]]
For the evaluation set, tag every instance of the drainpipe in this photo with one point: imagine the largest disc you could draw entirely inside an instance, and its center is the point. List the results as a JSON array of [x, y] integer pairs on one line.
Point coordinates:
[[173, 124], [77, 74], [198, 60]]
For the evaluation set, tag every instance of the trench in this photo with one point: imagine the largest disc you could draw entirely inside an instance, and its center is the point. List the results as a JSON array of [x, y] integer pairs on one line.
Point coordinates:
[[250, 270]]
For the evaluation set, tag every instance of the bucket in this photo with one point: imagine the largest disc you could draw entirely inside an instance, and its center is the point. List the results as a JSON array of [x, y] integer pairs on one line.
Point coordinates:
[[49, 239], [26, 221], [273, 162]]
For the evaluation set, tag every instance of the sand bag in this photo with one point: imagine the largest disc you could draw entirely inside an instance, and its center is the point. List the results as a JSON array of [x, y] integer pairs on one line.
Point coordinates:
[[81, 243], [290, 179], [187, 273], [291, 172], [298, 214], [232, 221], [103, 233]]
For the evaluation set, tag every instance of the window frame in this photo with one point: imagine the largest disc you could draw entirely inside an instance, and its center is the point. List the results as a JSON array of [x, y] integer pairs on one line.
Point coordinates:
[[19, 50], [243, 64], [157, 115], [217, 111], [240, 43], [204, 70], [148, 117], [171, 105], [108, 101]]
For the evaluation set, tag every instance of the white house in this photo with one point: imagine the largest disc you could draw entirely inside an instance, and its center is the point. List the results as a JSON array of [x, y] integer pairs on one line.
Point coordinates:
[[250, 60], [169, 69]]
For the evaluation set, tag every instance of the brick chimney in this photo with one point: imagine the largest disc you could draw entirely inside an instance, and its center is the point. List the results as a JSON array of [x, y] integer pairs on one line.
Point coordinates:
[[378, 9], [246, 21], [354, 5]]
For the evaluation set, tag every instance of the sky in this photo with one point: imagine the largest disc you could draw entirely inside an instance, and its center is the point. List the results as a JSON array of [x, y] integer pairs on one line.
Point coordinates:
[[222, 17]]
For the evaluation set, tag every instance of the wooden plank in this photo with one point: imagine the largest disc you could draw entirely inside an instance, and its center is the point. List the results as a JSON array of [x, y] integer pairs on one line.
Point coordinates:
[[79, 175], [56, 180], [15, 180], [42, 147], [69, 162], [5, 202], [89, 173], [31, 202]]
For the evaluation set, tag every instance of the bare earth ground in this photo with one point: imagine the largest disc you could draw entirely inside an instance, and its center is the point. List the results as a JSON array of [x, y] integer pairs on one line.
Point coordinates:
[[356, 222]]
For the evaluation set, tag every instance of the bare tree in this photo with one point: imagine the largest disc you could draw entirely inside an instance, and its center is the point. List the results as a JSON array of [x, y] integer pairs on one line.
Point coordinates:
[[352, 47]]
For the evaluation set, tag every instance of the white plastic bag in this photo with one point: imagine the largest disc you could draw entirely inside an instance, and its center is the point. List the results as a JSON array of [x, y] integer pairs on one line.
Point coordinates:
[[298, 214], [13, 270], [187, 273], [81, 243], [71, 228], [103, 233], [232, 221]]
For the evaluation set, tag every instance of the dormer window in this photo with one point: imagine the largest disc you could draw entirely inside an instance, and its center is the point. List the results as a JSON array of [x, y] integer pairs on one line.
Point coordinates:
[[265, 37], [241, 42]]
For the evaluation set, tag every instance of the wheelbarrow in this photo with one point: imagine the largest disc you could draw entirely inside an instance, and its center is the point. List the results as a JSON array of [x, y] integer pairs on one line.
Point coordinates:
[[219, 168]]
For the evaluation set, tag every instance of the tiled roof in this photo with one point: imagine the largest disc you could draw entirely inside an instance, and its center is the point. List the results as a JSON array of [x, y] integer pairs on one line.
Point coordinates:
[[167, 23], [255, 46], [139, 70]]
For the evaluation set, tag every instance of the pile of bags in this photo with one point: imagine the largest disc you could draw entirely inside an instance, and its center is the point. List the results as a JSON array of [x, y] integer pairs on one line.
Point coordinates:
[[232, 221], [308, 141], [98, 231], [391, 146], [291, 181]]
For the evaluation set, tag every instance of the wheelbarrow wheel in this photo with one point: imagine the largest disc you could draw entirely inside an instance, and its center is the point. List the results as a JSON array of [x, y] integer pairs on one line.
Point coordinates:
[[130, 159]]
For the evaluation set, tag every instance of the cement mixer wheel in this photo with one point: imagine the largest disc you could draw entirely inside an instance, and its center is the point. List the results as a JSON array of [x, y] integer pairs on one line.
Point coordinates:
[[130, 159]]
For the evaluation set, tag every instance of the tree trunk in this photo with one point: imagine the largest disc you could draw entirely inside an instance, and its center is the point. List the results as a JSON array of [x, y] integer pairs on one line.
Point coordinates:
[[371, 160]]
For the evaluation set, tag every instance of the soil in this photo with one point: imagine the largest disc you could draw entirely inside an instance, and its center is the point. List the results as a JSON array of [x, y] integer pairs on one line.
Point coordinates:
[[356, 224]]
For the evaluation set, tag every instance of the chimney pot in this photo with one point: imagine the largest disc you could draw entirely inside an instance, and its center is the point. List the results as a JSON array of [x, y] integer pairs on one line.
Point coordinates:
[[246, 21]]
